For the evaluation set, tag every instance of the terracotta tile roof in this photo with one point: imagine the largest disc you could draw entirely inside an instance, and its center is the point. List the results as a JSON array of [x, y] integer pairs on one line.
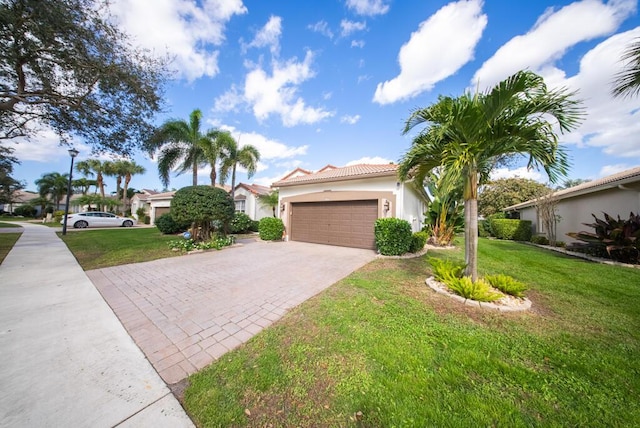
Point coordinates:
[[339, 174], [256, 189], [610, 181], [295, 171]]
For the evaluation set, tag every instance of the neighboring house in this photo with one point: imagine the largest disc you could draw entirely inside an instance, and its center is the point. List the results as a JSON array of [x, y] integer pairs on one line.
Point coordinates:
[[339, 206], [617, 194], [160, 203], [20, 198], [141, 200], [246, 200]]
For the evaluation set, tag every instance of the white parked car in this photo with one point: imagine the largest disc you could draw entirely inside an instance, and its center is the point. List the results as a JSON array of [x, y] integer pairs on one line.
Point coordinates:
[[97, 219]]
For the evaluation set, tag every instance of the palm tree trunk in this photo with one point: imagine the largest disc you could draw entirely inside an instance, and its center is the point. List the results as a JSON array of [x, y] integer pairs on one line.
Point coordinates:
[[127, 179], [471, 225], [213, 175], [195, 174], [233, 182]]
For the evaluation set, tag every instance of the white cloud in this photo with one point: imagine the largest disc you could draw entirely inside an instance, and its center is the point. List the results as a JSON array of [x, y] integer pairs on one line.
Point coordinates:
[[357, 43], [424, 62], [45, 147], [552, 35], [613, 169], [268, 181], [277, 93], [521, 172], [612, 124], [321, 27], [184, 30], [351, 120], [269, 149], [228, 101], [368, 7], [377, 160], [348, 27], [269, 35]]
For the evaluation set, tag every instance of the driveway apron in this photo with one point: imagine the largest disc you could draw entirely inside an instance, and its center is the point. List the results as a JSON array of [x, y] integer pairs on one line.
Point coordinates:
[[186, 312]]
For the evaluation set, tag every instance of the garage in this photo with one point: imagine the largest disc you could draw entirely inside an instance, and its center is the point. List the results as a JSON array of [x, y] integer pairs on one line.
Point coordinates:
[[342, 223]]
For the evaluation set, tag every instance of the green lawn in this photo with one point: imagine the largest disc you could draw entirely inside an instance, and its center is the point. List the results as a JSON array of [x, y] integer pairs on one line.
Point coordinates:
[[4, 224], [96, 249], [6, 242], [383, 344]]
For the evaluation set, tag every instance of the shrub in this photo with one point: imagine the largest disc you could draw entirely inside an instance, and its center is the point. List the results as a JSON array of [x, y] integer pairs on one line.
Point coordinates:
[[49, 209], [540, 240], [255, 226], [484, 230], [393, 236], [516, 230], [271, 229], [443, 269], [147, 219], [169, 226], [25, 211], [480, 290], [217, 243], [418, 241], [204, 206], [507, 284], [140, 213], [241, 223], [57, 215]]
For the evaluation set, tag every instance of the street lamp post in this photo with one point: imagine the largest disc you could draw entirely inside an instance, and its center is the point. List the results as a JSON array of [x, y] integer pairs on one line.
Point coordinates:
[[73, 153]]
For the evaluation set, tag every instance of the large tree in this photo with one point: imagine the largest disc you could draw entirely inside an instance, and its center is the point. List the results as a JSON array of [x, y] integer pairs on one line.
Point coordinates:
[[498, 194], [54, 186], [66, 66], [95, 167], [131, 169], [627, 82], [468, 134], [179, 144], [214, 145], [8, 185], [231, 156]]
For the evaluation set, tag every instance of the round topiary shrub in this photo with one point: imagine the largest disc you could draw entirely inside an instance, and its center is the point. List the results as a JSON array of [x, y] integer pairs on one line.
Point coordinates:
[[271, 229], [203, 205], [25, 211], [168, 226], [241, 223], [418, 241], [393, 236]]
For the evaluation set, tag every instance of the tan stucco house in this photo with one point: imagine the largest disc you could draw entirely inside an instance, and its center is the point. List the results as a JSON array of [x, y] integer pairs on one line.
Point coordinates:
[[339, 206], [246, 199], [617, 194]]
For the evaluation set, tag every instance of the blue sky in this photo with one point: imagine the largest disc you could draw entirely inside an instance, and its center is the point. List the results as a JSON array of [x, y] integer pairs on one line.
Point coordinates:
[[332, 81]]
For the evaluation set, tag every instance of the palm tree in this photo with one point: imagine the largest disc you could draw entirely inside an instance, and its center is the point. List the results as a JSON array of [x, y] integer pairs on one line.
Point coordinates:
[[467, 135], [627, 81], [213, 146], [270, 200], [54, 185], [231, 156], [83, 184], [90, 167], [131, 169], [179, 143]]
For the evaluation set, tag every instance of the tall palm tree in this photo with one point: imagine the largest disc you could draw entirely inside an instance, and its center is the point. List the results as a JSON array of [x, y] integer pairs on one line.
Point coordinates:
[[627, 81], [467, 135], [53, 185], [83, 184], [231, 156], [213, 146], [131, 169], [95, 167], [178, 143], [270, 200]]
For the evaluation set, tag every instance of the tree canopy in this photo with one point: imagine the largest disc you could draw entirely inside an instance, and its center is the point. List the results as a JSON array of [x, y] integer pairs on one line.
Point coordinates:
[[202, 205], [66, 66], [499, 194], [627, 81]]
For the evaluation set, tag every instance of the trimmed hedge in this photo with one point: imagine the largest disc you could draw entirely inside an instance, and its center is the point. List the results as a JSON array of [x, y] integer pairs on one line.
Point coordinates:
[[515, 230], [169, 226], [393, 236], [271, 229], [418, 241], [241, 223]]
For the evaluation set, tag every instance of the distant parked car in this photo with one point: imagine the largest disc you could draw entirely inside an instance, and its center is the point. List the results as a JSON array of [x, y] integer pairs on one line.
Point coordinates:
[[97, 219]]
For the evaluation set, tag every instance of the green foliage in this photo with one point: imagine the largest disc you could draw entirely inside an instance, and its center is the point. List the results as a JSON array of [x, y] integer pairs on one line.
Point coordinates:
[[393, 236], [140, 212], [516, 230], [202, 205], [618, 239], [255, 226], [271, 229], [241, 223], [507, 284], [25, 210], [445, 213], [444, 269], [147, 219], [540, 240], [418, 241], [169, 226], [217, 243], [57, 215], [496, 195], [479, 291]]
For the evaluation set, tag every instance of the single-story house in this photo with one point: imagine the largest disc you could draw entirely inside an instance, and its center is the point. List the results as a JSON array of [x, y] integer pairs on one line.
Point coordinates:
[[20, 198], [246, 199], [617, 194], [141, 200], [339, 206], [159, 203]]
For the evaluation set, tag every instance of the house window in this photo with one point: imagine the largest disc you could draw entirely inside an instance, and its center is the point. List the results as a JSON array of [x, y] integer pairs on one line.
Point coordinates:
[[240, 206]]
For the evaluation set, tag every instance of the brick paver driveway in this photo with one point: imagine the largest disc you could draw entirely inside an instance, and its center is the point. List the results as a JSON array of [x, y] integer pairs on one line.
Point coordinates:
[[185, 312]]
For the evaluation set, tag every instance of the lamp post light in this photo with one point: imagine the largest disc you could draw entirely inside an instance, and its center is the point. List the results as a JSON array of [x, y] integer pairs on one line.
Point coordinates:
[[73, 153]]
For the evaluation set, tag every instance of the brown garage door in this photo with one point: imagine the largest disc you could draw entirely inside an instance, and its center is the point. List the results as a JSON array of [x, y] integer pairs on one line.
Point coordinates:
[[162, 210], [343, 223]]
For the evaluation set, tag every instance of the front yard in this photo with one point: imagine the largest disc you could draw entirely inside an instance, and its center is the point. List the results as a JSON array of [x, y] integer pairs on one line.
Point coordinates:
[[381, 349]]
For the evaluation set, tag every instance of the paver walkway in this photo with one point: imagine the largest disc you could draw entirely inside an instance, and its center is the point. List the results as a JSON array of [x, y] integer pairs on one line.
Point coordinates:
[[186, 312]]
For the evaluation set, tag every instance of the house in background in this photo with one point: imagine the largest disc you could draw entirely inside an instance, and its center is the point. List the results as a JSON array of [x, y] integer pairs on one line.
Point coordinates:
[[246, 200], [616, 195], [339, 206], [141, 200], [20, 198]]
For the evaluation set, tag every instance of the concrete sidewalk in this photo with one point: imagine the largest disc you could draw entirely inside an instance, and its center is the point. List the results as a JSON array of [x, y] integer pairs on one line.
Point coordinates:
[[66, 359]]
